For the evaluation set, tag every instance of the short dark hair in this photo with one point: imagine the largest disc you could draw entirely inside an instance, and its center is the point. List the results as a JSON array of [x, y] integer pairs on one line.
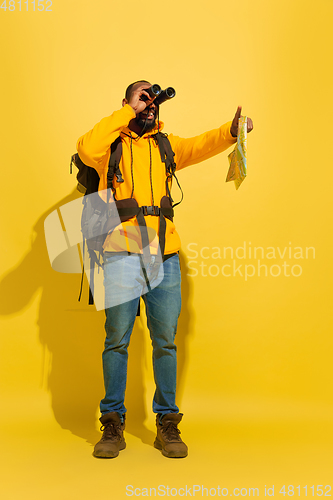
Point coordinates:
[[129, 89]]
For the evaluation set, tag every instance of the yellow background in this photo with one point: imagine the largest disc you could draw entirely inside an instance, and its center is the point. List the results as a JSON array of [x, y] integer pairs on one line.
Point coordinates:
[[255, 356]]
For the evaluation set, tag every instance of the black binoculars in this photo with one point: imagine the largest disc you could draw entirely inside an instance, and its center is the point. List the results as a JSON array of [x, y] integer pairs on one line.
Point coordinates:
[[159, 94]]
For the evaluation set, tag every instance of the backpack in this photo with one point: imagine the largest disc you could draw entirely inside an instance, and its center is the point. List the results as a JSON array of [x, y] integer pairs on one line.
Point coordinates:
[[99, 218]]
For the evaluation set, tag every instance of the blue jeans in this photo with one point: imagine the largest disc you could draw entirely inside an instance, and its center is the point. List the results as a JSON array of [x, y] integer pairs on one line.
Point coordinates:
[[124, 276]]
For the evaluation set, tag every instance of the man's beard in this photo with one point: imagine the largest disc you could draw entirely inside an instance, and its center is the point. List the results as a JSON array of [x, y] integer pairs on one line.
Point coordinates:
[[150, 125]]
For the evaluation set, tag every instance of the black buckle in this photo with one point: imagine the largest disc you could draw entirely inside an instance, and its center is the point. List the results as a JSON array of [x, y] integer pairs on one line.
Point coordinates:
[[112, 212], [119, 176], [151, 210]]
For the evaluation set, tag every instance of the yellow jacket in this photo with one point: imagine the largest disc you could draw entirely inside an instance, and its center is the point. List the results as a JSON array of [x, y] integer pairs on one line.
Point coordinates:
[[141, 156]]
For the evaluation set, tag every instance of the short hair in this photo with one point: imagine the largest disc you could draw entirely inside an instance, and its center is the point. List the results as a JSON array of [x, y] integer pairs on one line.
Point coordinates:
[[129, 89]]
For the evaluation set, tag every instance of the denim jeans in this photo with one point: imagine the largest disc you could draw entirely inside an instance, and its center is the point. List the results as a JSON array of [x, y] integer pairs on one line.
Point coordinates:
[[123, 276]]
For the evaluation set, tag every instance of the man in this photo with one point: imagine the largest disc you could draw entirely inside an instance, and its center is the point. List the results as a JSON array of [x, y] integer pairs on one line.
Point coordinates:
[[145, 183]]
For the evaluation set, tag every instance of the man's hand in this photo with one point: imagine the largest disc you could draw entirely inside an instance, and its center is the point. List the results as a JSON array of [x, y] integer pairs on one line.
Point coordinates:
[[234, 125], [136, 103]]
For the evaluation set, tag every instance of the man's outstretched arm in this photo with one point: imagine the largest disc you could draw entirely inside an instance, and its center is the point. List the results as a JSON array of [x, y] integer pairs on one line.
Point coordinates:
[[197, 149]]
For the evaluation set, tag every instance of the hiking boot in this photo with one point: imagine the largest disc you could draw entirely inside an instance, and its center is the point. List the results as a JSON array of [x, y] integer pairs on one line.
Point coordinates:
[[112, 440], [168, 439]]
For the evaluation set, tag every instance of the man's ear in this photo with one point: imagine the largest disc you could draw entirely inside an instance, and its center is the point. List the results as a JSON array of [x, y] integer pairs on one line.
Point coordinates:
[[125, 101]]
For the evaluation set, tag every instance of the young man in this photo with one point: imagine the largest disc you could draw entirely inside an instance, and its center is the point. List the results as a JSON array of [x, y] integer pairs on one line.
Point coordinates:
[[145, 184]]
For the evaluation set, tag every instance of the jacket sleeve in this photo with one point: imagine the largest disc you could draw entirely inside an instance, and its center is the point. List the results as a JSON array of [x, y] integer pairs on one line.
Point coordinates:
[[200, 148], [94, 146]]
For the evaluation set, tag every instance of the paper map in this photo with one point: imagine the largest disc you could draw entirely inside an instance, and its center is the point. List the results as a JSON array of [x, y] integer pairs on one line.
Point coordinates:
[[237, 158]]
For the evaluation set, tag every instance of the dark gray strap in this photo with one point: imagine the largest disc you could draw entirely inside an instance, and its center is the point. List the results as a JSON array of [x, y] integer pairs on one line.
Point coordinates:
[[162, 230], [115, 156], [91, 284], [144, 236]]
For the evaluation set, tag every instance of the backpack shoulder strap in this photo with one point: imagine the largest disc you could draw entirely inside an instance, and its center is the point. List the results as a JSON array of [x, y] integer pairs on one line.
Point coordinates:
[[115, 156], [167, 157]]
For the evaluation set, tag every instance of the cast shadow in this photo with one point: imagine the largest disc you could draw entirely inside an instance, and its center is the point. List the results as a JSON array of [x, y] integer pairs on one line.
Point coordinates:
[[71, 334]]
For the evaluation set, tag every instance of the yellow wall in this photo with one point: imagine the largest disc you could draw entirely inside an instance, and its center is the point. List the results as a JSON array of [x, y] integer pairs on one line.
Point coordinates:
[[255, 354]]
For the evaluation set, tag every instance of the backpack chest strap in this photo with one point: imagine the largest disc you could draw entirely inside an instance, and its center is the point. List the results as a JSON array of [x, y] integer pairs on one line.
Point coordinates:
[[146, 210]]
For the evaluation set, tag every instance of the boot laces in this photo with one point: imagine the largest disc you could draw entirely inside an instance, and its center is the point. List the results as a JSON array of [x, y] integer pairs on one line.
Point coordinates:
[[171, 430], [111, 431]]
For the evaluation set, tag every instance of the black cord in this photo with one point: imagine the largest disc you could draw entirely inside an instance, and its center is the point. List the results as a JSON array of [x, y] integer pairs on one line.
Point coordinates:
[[158, 119], [150, 171], [175, 204], [145, 121], [132, 173]]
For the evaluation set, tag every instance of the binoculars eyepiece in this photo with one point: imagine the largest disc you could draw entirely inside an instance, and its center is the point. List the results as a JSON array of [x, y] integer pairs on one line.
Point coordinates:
[[153, 91], [159, 94]]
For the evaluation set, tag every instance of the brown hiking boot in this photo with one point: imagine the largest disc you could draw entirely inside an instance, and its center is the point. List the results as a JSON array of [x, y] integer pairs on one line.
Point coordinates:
[[168, 439], [112, 440]]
